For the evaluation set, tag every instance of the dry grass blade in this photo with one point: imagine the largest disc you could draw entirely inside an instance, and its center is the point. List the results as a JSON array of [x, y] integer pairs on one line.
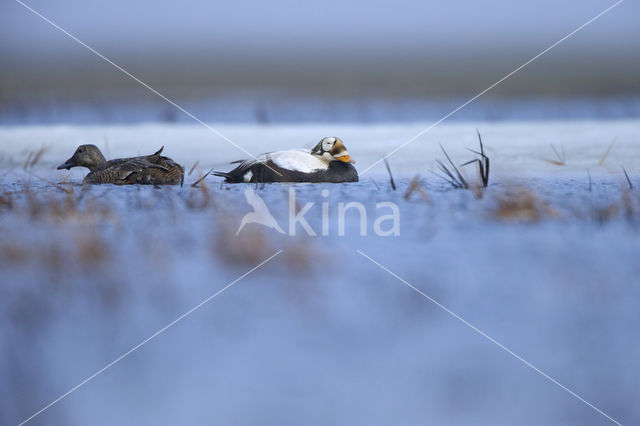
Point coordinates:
[[626, 175], [457, 180], [483, 163], [60, 187], [448, 176], [244, 248], [606, 153], [393, 184], [416, 186], [195, 184], [484, 179], [66, 179], [6, 201], [193, 168], [522, 205], [560, 157], [28, 160], [461, 179], [626, 207], [37, 156]]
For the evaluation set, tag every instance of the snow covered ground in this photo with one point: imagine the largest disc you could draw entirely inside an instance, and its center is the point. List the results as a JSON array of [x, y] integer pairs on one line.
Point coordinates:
[[545, 261]]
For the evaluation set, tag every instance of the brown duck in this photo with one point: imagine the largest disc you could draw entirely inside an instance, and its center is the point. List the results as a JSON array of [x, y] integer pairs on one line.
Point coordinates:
[[150, 169]]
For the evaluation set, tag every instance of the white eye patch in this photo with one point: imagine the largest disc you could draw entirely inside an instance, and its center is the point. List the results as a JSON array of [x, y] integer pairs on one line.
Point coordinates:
[[327, 143]]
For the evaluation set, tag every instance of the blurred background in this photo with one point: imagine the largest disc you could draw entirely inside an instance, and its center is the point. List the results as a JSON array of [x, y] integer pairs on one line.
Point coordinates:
[[543, 260], [329, 61]]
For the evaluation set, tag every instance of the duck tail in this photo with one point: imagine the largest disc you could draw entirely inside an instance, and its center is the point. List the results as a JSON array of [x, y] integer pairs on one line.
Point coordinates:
[[221, 174], [229, 177], [155, 157]]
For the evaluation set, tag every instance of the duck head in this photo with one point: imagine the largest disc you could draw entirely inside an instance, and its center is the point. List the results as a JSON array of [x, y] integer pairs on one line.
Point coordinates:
[[88, 156], [332, 148]]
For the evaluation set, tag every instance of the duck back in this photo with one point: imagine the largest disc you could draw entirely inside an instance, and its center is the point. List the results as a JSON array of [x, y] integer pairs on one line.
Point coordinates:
[[146, 170], [336, 172]]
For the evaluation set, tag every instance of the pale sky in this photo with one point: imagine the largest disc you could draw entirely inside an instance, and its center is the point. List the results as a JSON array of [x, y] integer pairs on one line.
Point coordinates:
[[362, 45], [283, 25]]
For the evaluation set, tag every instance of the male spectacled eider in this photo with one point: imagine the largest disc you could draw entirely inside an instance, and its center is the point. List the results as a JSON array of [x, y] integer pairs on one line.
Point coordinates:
[[151, 169], [328, 161]]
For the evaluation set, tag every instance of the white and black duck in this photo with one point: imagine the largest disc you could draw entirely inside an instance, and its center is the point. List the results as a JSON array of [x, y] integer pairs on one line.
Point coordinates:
[[328, 161]]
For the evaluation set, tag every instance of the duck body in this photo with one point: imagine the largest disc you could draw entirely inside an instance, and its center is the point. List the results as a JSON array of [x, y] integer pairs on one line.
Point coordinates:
[[152, 169], [330, 165]]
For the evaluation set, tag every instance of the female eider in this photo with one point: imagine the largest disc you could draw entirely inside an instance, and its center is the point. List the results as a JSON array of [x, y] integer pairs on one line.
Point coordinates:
[[150, 169], [328, 161]]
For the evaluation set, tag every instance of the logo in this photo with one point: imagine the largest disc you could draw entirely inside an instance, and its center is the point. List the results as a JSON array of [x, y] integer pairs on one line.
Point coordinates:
[[260, 214], [384, 225]]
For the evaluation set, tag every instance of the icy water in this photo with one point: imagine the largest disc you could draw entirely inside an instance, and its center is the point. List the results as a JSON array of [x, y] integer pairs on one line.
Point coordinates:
[[544, 261], [279, 108]]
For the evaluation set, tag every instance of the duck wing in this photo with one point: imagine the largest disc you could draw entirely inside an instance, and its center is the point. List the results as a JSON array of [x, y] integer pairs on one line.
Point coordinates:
[[123, 171], [277, 166], [294, 160], [174, 174], [297, 161], [136, 165]]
